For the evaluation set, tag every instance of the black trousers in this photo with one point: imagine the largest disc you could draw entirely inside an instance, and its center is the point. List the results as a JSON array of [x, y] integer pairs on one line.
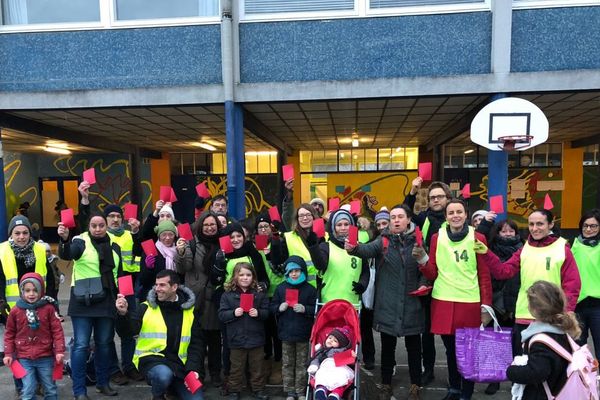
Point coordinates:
[[457, 383], [272, 342], [388, 359], [366, 333], [427, 338]]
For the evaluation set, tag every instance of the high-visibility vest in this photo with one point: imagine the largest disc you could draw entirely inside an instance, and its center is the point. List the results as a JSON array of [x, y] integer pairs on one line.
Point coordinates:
[[274, 279], [88, 265], [9, 266], [457, 278], [152, 339], [296, 247], [539, 264], [588, 263], [342, 270], [131, 264]]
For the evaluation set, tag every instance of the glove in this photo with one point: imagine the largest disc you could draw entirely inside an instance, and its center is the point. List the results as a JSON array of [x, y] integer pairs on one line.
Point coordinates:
[[312, 369], [262, 287], [220, 258], [358, 287], [274, 231], [420, 254], [479, 247], [299, 308], [283, 307], [150, 260]]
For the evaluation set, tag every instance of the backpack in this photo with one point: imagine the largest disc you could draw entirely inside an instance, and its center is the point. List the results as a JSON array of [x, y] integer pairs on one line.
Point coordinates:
[[582, 371]]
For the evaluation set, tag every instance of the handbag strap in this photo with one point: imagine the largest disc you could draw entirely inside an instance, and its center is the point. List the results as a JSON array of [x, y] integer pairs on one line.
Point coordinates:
[[490, 311]]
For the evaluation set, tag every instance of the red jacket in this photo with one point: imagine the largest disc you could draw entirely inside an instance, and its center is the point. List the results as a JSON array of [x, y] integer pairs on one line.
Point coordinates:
[[23, 342]]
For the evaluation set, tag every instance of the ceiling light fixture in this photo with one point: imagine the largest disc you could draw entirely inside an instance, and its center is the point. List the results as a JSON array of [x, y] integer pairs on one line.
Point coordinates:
[[469, 151], [206, 146], [355, 142], [57, 150]]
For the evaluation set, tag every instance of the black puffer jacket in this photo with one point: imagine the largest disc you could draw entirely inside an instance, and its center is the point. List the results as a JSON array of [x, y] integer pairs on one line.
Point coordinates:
[[244, 332]]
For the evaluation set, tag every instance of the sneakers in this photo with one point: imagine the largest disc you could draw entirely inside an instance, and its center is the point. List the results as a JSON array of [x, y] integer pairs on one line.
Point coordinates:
[[492, 388], [413, 392], [320, 394], [333, 396], [386, 392], [106, 390], [301, 397], [233, 396], [290, 397], [118, 378], [134, 375], [427, 377], [261, 395], [82, 397]]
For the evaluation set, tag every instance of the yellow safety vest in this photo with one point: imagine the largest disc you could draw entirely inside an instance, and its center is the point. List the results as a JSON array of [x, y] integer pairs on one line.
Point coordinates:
[[457, 269], [296, 247], [88, 265], [131, 264], [539, 264], [152, 339], [588, 263], [342, 270], [274, 279], [9, 266]]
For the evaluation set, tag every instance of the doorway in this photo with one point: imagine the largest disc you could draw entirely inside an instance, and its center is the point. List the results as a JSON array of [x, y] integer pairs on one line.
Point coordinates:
[[53, 190]]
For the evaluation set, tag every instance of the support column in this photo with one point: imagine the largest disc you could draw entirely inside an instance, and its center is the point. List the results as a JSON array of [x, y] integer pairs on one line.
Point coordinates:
[[234, 132], [135, 190], [571, 205], [498, 172], [3, 216]]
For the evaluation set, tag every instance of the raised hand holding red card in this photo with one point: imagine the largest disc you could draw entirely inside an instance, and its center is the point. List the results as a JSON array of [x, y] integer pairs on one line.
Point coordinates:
[[288, 172], [89, 175], [274, 214], [130, 211], [185, 231], [67, 218], [319, 227], [353, 235], [261, 242], [225, 244], [125, 284], [165, 193], [425, 171], [202, 190], [149, 248], [497, 204], [333, 204]]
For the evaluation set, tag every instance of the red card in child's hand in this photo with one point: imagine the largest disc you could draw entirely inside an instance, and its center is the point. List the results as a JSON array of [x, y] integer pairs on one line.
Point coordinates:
[[355, 207], [319, 227], [246, 301], [418, 237], [192, 383], [125, 284], [291, 297], [149, 248], [57, 372], [497, 204], [17, 369], [288, 172], [89, 175], [548, 205], [425, 171], [130, 211], [172, 197], [225, 243], [353, 235], [185, 231], [466, 191], [67, 218], [261, 241], [333, 204], [165, 193], [202, 190], [343, 358], [274, 214], [421, 292]]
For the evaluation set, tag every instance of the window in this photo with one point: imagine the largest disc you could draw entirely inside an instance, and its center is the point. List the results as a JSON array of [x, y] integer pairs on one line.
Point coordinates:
[[154, 9], [26, 12], [411, 3], [590, 155], [289, 6]]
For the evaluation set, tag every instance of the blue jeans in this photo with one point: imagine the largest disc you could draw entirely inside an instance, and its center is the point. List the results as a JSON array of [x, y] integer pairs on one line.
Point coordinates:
[[161, 378], [39, 370], [104, 332], [589, 318]]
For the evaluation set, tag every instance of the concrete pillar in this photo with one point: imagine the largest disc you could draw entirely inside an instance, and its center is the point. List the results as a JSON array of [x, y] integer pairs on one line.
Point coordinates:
[[234, 133], [3, 216]]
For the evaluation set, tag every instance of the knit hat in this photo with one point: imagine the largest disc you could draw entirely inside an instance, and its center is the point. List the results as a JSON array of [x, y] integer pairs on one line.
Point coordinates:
[[477, 213], [18, 220], [112, 208], [382, 214], [343, 335], [165, 226], [233, 227], [294, 262], [167, 209], [35, 279], [340, 215], [262, 218], [317, 200]]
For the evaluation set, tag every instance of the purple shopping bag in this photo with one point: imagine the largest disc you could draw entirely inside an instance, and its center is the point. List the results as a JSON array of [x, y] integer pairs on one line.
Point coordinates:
[[482, 355]]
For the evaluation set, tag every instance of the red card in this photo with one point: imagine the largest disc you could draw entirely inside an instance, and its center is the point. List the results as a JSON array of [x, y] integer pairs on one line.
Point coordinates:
[[89, 175], [419, 236], [421, 292], [57, 372], [274, 214], [497, 204], [291, 297], [192, 383], [130, 211], [17, 369], [202, 190], [287, 172], [261, 241], [246, 301], [353, 235], [149, 248], [466, 191], [125, 284], [319, 227], [548, 205], [165, 193], [67, 218], [333, 204], [185, 231], [173, 198], [225, 243], [425, 171], [355, 207], [343, 358]]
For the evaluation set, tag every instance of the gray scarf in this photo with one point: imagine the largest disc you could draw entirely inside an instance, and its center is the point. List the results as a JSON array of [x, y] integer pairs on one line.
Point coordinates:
[[25, 253]]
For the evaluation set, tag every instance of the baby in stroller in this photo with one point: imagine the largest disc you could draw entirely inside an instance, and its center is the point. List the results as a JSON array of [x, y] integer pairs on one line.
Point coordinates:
[[330, 380]]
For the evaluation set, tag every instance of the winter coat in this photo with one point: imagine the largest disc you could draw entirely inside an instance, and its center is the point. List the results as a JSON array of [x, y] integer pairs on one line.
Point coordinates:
[[244, 332], [396, 313], [148, 275], [293, 326], [45, 341]]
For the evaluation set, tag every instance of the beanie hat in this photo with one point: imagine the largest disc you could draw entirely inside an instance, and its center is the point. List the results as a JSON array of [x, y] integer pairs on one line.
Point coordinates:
[[340, 215], [477, 213], [317, 200], [112, 208], [165, 226], [35, 279], [343, 335], [18, 220], [233, 227], [262, 218], [294, 262], [382, 214], [168, 210]]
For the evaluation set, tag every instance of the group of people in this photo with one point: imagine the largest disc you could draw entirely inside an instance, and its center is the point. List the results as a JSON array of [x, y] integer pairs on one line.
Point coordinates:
[[197, 301]]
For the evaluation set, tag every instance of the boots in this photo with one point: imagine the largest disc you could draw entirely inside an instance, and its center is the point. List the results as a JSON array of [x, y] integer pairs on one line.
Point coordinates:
[[413, 392], [386, 392], [275, 378]]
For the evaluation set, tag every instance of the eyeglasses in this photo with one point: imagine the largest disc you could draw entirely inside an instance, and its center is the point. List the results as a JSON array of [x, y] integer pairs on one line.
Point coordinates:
[[263, 227], [590, 226], [304, 216], [438, 197], [208, 225]]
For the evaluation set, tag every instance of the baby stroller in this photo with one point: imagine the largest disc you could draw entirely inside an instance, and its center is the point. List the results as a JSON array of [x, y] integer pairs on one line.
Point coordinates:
[[334, 314]]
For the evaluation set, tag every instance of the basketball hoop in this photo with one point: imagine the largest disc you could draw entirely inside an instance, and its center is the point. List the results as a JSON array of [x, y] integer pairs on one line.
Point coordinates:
[[517, 142]]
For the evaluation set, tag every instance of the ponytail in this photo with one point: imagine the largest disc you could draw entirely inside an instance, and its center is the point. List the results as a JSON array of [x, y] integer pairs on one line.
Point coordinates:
[[547, 303], [567, 322]]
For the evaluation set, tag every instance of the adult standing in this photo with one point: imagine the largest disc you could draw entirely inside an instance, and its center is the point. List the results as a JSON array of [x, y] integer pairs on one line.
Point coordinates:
[[97, 263]]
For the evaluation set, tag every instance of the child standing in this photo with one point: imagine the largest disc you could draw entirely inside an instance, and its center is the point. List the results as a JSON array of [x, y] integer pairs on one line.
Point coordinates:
[[331, 380], [547, 304], [35, 337], [294, 322], [245, 330]]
